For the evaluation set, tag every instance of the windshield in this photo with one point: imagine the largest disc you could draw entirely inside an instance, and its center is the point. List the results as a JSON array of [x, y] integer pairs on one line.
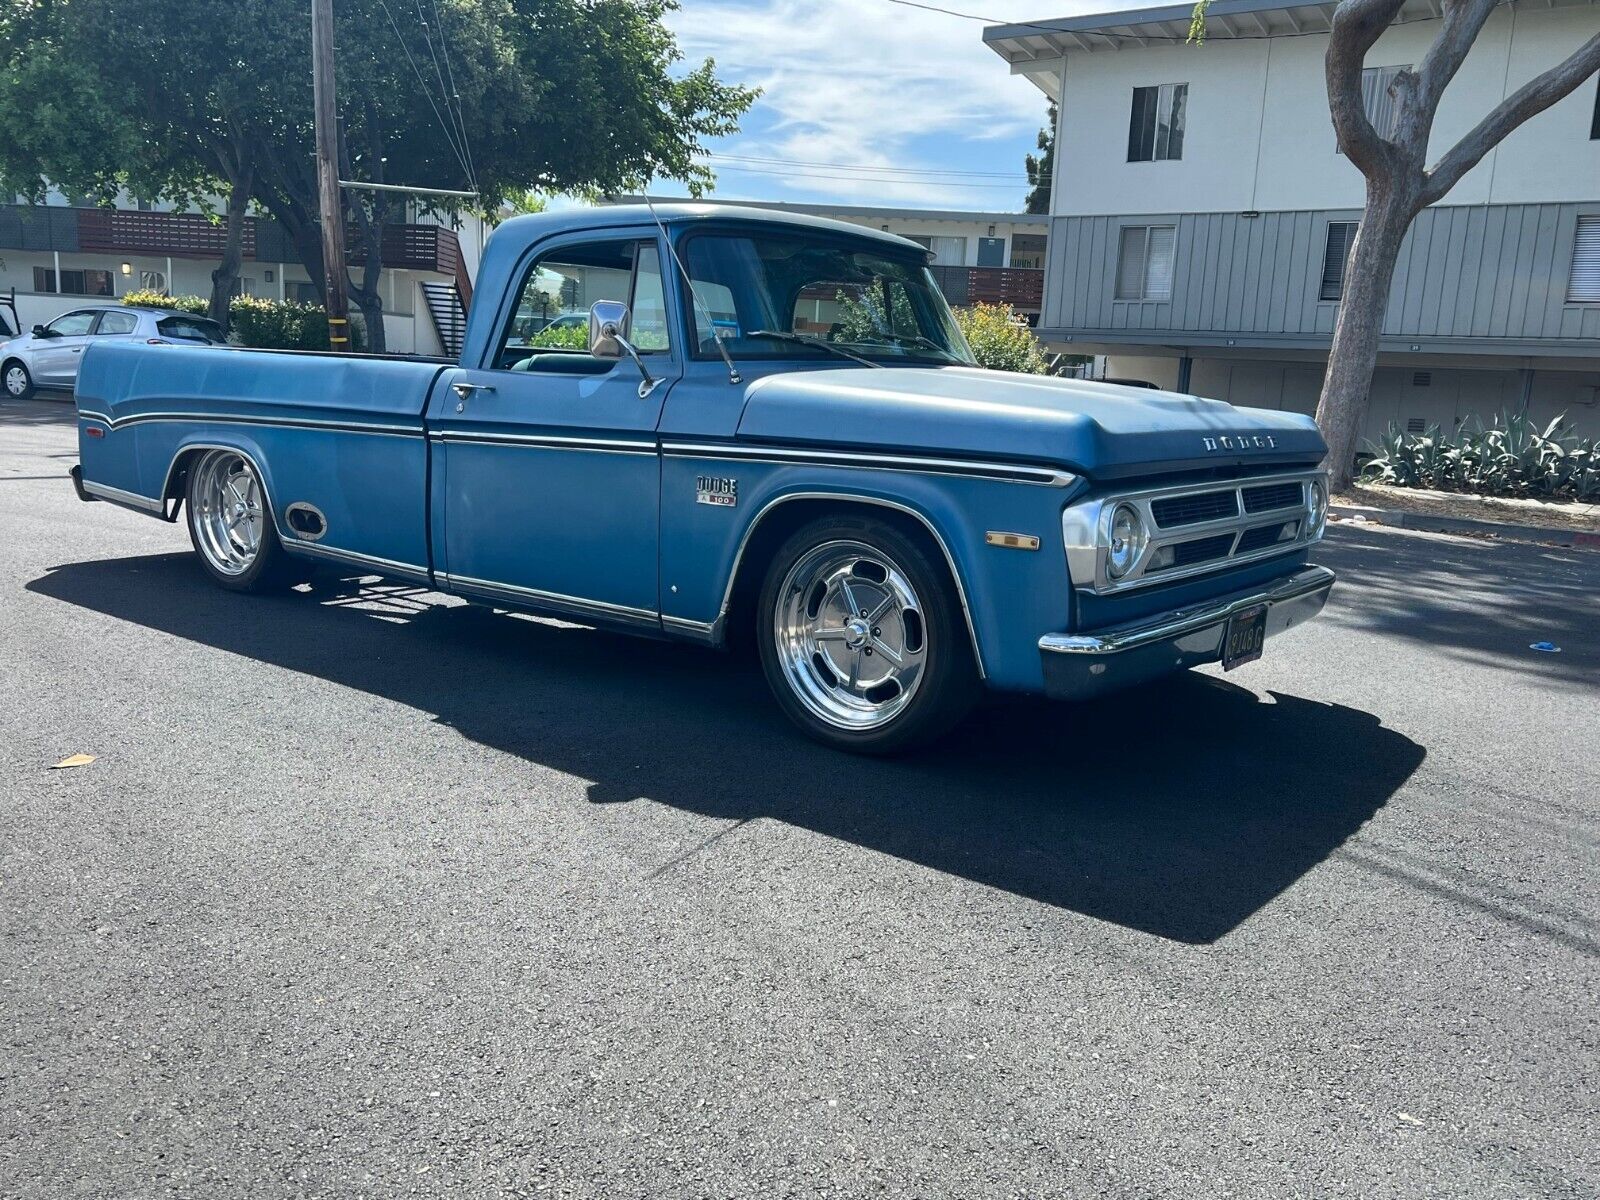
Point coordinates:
[[788, 297]]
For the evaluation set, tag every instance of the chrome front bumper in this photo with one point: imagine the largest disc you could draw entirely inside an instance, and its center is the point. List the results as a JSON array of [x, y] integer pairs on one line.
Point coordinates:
[[1081, 665]]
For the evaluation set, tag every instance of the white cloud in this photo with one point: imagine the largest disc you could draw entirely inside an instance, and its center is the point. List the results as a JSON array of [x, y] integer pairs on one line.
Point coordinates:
[[858, 82]]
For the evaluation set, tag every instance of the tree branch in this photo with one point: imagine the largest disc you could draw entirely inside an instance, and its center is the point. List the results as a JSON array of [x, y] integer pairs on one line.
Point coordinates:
[[1357, 25], [1528, 101], [1463, 21]]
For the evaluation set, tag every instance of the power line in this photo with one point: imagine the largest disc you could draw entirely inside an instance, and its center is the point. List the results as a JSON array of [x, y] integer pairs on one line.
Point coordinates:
[[801, 162], [901, 179]]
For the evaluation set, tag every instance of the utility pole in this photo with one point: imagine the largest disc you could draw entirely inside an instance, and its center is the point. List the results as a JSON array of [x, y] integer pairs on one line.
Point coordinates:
[[337, 296]]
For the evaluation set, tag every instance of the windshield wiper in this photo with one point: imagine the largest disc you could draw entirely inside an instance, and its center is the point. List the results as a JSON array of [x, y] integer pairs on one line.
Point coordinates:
[[820, 343], [916, 339]]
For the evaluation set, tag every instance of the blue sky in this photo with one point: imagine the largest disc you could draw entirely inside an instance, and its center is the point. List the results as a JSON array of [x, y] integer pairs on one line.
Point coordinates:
[[869, 101]]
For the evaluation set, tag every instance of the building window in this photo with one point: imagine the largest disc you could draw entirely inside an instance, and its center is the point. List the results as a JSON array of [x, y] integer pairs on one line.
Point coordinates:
[[73, 283], [1155, 130], [1381, 108], [1583, 285], [1144, 262], [152, 281], [1334, 257], [302, 292]]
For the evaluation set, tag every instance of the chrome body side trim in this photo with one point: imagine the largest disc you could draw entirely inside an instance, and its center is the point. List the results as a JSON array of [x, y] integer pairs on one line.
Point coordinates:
[[700, 631], [544, 441], [1086, 531], [379, 566], [720, 625], [126, 499], [532, 597], [383, 430], [1009, 472]]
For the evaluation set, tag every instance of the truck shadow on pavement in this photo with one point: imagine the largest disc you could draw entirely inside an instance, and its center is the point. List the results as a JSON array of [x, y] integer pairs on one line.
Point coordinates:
[[1179, 809]]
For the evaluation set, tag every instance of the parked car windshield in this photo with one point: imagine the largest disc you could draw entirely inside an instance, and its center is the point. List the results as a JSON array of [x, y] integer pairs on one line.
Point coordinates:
[[191, 329], [768, 297]]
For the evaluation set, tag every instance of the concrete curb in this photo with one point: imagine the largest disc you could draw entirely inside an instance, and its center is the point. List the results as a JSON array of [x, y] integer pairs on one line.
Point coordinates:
[[1429, 523]]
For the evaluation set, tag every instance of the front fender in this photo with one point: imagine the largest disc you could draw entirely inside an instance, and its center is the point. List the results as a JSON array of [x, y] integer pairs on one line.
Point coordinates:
[[1011, 596]]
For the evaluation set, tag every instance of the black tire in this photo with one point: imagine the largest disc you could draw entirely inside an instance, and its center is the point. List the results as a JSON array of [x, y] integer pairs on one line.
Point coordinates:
[[947, 686], [9, 375], [272, 569]]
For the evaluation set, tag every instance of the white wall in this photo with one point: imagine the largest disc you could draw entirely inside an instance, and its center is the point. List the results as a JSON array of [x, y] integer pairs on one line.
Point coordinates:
[[1258, 135]]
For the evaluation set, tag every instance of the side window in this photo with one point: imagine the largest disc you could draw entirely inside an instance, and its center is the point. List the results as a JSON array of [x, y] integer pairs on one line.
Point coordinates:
[[116, 322], [1156, 124], [551, 321], [73, 324]]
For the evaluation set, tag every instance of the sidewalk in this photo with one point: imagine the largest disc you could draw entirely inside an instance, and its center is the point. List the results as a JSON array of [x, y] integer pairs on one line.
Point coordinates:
[[1361, 514]]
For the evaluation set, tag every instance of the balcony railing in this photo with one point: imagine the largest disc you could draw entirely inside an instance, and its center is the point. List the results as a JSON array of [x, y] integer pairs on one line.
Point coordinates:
[[1020, 287]]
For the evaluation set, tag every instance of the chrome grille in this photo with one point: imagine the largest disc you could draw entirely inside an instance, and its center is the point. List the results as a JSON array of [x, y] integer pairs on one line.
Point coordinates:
[[1194, 529], [1191, 510], [1275, 495]]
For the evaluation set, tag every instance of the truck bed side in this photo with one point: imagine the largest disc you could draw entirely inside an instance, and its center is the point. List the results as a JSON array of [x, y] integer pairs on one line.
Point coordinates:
[[342, 434]]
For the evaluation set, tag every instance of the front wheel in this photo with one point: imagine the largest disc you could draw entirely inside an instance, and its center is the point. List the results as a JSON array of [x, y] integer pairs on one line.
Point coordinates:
[[230, 524], [862, 639]]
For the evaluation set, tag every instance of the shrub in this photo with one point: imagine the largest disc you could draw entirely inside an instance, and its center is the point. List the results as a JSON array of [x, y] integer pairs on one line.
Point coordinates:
[[1001, 340], [1511, 457], [563, 337], [149, 299], [257, 322]]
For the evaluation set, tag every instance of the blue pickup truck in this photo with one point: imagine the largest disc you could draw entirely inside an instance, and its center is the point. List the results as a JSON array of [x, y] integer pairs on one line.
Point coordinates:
[[775, 433]]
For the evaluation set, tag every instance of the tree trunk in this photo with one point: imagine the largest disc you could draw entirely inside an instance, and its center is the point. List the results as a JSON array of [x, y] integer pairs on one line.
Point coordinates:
[[367, 297], [1353, 357], [225, 279]]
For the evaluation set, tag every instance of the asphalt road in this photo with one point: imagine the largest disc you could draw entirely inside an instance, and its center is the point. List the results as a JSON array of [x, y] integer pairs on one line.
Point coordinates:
[[371, 893]]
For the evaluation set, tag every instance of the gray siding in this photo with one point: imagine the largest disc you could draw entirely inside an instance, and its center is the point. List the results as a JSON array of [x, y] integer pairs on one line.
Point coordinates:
[[1480, 272]]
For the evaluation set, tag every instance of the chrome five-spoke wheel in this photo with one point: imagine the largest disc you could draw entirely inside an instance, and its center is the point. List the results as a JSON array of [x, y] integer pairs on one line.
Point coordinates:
[[851, 635], [226, 512]]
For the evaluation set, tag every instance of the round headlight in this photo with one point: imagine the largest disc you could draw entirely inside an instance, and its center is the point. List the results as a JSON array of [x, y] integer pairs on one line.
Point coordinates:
[[1319, 506], [1128, 540]]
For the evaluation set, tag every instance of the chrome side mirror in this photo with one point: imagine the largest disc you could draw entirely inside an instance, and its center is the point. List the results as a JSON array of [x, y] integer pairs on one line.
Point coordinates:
[[608, 328], [608, 338]]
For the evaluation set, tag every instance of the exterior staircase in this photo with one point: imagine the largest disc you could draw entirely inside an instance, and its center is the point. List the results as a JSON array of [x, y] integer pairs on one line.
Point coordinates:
[[449, 315]]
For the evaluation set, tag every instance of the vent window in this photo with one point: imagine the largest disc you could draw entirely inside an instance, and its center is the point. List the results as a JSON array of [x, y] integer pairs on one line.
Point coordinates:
[[1416, 425]]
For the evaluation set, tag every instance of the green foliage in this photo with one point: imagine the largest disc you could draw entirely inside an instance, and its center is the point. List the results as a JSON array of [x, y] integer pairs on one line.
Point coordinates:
[[257, 322], [1001, 340], [1041, 169], [562, 337], [148, 299], [1511, 457], [1197, 22]]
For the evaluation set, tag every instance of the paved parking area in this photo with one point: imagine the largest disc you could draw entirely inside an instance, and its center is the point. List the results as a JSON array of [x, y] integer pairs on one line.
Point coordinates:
[[372, 893]]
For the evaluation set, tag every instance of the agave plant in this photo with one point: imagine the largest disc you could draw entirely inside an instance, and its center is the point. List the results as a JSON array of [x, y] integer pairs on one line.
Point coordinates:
[[1510, 457]]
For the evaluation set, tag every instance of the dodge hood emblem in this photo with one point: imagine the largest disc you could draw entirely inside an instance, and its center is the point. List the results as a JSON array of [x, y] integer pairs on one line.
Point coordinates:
[[1239, 441]]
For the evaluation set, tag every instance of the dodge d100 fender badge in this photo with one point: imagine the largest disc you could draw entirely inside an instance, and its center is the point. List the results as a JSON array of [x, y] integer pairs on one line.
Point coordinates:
[[716, 489]]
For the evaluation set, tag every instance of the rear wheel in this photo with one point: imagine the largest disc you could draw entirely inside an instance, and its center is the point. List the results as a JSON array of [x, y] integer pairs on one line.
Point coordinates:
[[861, 637], [230, 524], [14, 377]]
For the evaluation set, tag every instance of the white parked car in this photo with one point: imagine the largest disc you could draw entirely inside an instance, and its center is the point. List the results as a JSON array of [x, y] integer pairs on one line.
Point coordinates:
[[49, 356]]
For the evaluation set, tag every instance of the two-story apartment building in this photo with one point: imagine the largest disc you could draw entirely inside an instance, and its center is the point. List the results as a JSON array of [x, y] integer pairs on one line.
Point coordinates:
[[979, 257], [1202, 211], [63, 254]]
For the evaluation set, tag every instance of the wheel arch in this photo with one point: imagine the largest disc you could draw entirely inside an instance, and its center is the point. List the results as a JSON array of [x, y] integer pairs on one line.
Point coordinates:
[[174, 488], [786, 513]]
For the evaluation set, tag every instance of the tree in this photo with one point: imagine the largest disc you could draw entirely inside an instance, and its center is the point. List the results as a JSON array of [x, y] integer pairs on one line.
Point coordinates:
[[1001, 340], [1041, 168], [1399, 183], [493, 96]]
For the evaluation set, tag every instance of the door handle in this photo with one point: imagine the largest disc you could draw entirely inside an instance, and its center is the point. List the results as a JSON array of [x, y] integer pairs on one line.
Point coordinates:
[[77, 349], [464, 391]]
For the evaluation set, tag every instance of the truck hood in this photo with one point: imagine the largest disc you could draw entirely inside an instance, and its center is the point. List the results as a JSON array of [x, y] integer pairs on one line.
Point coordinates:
[[1100, 430]]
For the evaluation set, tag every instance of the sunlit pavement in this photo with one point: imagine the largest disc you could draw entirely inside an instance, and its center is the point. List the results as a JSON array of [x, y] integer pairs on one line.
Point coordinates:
[[370, 892]]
